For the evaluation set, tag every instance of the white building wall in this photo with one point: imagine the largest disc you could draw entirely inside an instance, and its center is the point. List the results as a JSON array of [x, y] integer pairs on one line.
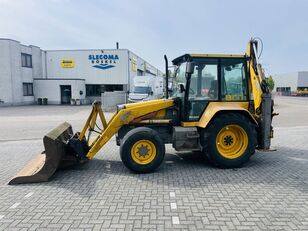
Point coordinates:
[[51, 90], [26, 74], [37, 64], [83, 67], [286, 80], [46, 65], [13, 75], [16, 74], [132, 69], [6, 96], [303, 79], [142, 65]]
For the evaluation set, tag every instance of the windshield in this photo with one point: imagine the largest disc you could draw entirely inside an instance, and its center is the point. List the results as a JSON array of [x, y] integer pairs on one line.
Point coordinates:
[[142, 90], [179, 78]]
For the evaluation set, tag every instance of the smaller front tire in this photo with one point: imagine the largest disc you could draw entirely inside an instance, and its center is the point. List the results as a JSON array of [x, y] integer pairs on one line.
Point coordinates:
[[142, 150]]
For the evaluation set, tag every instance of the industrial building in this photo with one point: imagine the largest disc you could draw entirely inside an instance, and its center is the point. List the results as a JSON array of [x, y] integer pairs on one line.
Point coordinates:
[[28, 73], [290, 83]]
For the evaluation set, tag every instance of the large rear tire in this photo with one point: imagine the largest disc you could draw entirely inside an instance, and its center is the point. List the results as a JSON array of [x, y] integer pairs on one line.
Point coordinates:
[[142, 150], [230, 140]]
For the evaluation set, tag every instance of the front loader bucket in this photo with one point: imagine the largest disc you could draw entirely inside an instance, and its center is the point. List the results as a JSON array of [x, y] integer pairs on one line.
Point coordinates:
[[57, 154]]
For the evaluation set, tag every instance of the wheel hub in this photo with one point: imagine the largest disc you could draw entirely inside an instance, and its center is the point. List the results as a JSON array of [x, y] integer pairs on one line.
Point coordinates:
[[228, 140], [143, 150], [232, 141]]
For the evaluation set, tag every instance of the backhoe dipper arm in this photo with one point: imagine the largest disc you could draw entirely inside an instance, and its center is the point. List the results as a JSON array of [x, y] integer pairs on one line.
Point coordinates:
[[257, 78], [263, 103], [124, 116]]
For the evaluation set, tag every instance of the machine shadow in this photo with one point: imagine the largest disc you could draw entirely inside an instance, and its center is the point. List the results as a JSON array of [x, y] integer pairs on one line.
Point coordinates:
[[190, 170]]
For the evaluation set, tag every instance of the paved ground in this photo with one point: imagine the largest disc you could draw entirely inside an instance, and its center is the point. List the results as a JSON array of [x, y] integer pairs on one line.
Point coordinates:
[[269, 193]]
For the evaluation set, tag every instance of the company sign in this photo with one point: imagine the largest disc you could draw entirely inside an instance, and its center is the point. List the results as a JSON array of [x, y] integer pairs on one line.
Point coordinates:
[[67, 63], [103, 61]]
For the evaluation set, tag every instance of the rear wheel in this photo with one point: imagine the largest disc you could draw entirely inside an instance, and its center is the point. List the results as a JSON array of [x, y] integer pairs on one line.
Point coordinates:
[[230, 140], [142, 150]]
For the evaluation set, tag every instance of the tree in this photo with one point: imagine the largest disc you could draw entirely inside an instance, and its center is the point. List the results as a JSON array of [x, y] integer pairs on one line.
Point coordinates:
[[271, 83]]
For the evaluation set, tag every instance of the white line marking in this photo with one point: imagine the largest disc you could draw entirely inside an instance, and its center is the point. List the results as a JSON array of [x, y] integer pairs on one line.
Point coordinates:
[[175, 220], [169, 162], [173, 205], [172, 194], [14, 206], [29, 194], [1, 216], [298, 159]]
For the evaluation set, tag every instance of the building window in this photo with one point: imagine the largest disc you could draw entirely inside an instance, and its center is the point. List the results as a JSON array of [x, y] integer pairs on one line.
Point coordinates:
[[97, 89], [28, 89], [26, 60], [139, 72], [283, 89], [93, 90], [113, 87]]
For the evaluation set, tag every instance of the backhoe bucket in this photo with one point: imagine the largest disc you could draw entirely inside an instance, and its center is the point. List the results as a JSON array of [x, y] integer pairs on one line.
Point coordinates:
[[57, 154]]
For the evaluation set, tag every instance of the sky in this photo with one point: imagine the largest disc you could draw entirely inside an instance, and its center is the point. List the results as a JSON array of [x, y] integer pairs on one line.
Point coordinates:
[[152, 28]]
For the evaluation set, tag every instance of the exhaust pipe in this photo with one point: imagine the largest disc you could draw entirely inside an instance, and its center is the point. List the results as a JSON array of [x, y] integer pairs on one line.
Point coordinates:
[[167, 76]]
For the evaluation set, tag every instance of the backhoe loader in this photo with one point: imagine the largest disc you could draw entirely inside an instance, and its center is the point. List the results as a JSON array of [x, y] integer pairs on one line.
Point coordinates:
[[217, 105]]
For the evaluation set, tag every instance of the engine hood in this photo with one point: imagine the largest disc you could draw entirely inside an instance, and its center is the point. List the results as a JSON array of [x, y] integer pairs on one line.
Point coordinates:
[[155, 105], [138, 96]]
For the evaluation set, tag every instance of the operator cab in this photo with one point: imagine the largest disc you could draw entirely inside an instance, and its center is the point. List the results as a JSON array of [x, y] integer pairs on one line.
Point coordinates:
[[199, 79]]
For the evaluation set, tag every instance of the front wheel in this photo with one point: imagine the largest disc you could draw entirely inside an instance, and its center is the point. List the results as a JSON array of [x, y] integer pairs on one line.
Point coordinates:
[[230, 140], [142, 150]]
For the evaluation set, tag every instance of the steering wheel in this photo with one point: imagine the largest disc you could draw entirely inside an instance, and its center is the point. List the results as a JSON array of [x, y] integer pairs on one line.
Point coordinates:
[[191, 91]]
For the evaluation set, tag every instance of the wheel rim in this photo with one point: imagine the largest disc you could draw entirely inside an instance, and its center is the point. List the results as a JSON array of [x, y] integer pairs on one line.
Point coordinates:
[[143, 152], [232, 141]]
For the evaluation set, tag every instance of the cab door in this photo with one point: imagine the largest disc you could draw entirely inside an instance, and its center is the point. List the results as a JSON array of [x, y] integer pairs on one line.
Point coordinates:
[[203, 87]]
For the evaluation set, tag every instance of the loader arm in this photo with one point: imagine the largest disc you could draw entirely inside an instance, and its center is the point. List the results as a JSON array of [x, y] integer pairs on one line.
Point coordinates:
[[124, 116]]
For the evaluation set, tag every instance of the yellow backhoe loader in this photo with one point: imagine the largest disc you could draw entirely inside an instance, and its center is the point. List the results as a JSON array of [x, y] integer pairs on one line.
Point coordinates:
[[218, 105]]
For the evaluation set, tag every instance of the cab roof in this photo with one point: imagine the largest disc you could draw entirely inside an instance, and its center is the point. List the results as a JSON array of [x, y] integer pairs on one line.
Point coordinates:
[[187, 57]]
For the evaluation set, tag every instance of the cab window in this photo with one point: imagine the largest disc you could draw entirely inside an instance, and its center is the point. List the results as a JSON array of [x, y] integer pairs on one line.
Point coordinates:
[[204, 80], [203, 86], [233, 80]]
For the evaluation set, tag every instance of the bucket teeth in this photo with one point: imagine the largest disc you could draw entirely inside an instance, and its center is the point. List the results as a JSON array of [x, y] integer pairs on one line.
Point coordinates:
[[57, 155]]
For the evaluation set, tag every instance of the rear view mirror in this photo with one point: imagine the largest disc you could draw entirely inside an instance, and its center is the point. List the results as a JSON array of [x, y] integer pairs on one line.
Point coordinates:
[[190, 66], [151, 93]]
